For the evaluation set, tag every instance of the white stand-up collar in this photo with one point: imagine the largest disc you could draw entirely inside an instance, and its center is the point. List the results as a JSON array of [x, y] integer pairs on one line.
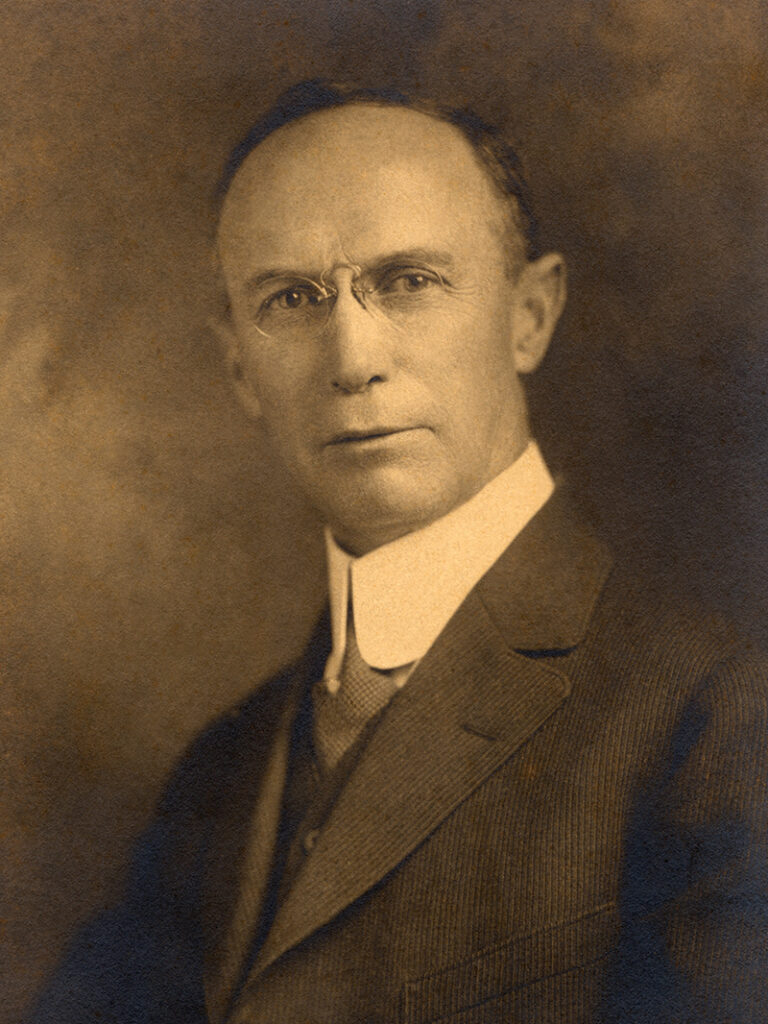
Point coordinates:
[[405, 592]]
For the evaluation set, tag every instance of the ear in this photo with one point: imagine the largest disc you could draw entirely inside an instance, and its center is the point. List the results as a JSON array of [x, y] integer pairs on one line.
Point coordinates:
[[540, 292], [227, 338]]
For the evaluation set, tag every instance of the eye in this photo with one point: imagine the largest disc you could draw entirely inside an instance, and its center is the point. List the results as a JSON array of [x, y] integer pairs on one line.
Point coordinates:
[[293, 298], [408, 281]]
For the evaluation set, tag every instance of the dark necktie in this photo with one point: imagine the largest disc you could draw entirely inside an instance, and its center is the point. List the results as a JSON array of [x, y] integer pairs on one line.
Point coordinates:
[[340, 717]]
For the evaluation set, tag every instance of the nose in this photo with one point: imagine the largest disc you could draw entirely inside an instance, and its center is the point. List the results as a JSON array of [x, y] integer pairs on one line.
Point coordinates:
[[358, 350]]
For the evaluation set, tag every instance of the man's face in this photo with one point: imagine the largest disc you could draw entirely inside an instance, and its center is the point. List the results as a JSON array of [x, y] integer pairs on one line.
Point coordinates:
[[400, 405]]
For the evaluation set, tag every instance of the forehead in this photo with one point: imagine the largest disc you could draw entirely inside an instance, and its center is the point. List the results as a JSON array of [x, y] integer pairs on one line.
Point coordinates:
[[353, 182]]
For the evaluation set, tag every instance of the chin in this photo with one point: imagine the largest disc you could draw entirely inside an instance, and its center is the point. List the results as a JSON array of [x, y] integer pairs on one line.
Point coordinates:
[[369, 514]]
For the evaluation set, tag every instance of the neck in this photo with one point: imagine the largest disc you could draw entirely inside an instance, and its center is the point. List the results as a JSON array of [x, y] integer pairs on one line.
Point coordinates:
[[359, 539]]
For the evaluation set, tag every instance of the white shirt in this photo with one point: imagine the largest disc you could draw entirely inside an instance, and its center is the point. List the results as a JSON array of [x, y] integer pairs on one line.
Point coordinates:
[[405, 592]]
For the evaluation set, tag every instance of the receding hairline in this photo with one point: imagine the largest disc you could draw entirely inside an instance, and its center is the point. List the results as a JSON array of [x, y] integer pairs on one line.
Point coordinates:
[[507, 226], [498, 159], [358, 106], [310, 123]]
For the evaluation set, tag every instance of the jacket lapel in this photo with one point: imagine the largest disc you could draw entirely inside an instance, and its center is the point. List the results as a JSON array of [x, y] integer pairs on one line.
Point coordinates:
[[230, 943], [487, 684], [543, 590], [470, 703], [240, 860]]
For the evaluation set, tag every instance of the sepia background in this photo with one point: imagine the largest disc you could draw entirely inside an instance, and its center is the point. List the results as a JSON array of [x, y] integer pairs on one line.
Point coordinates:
[[154, 561]]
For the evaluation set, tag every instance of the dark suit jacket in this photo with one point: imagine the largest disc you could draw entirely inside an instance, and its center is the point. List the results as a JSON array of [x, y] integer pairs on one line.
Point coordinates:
[[562, 817]]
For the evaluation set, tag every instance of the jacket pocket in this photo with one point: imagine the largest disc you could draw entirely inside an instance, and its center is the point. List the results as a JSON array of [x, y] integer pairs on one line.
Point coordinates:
[[500, 971]]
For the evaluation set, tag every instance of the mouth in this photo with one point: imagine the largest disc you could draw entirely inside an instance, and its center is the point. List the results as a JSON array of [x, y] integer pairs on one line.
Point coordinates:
[[352, 437]]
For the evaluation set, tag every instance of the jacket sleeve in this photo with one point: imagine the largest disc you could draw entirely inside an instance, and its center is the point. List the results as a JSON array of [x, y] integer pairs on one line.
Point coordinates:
[[694, 904]]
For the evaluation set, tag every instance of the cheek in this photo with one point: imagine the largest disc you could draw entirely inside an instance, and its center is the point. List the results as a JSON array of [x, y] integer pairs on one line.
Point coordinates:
[[473, 333], [278, 380], [285, 415], [474, 368]]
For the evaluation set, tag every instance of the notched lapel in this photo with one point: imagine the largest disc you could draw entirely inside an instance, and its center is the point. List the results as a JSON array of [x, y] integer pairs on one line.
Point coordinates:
[[542, 591], [489, 682], [245, 832], [468, 706]]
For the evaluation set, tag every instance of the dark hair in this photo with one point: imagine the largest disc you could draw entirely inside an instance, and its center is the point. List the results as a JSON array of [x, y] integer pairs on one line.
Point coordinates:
[[308, 97]]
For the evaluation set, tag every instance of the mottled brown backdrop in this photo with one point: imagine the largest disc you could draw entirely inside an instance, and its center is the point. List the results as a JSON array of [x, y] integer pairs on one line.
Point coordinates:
[[154, 562]]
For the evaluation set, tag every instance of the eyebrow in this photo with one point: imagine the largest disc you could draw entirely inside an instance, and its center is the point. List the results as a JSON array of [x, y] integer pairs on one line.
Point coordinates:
[[433, 257], [439, 259]]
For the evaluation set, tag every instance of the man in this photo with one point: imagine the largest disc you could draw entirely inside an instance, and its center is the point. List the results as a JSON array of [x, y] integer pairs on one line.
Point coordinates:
[[506, 782]]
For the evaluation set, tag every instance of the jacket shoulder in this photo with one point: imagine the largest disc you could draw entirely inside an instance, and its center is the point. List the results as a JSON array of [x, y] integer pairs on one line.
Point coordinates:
[[645, 617]]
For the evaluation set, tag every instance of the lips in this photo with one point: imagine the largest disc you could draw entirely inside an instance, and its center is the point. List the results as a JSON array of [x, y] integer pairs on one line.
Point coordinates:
[[366, 434]]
